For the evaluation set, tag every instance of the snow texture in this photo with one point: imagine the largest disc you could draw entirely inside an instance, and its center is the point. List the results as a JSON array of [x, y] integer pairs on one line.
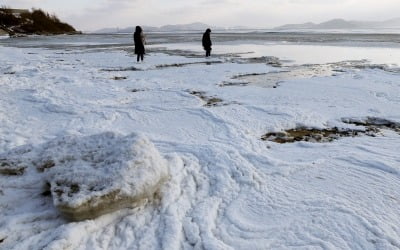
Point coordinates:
[[227, 188]]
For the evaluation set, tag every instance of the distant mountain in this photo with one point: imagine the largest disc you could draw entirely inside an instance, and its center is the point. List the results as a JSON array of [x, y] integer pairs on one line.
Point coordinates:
[[169, 28], [392, 23], [185, 27], [343, 24], [166, 28], [125, 30]]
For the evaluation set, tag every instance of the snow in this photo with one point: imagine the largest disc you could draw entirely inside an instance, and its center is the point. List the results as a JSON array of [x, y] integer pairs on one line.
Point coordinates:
[[91, 175], [227, 189]]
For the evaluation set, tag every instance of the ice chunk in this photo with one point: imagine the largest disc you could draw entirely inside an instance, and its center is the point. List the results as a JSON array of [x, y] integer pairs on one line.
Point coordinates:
[[93, 175], [102, 173]]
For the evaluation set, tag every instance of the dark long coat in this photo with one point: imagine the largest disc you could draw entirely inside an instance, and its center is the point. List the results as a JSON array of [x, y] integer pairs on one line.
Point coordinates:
[[139, 43], [206, 41]]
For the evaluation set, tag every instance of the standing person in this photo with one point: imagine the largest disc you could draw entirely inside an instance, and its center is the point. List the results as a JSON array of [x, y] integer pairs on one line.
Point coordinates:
[[207, 42], [138, 38]]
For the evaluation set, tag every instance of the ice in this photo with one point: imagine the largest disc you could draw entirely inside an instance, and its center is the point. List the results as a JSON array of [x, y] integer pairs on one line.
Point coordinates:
[[75, 102]]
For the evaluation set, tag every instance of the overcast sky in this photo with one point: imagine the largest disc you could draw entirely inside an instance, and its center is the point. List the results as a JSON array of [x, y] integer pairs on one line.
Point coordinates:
[[89, 15]]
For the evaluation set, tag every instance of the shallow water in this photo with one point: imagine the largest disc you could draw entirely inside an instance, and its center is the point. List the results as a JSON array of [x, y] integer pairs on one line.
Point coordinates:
[[272, 79], [291, 47], [298, 54], [260, 194]]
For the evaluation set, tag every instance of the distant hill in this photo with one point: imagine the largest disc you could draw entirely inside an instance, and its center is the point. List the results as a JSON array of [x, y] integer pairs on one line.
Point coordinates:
[[166, 28], [343, 24], [185, 27], [22, 22]]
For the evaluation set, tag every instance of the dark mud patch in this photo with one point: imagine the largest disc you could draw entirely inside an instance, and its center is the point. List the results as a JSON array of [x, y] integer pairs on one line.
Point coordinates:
[[136, 90], [46, 189], [210, 101], [11, 168], [315, 135], [10, 73], [41, 167], [177, 65], [119, 78], [232, 83], [374, 123], [121, 69]]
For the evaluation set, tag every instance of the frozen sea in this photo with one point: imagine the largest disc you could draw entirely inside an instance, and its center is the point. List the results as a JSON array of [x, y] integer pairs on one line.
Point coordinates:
[[230, 126]]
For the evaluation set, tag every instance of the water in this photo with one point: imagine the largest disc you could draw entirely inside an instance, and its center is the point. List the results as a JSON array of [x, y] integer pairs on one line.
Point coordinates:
[[290, 47]]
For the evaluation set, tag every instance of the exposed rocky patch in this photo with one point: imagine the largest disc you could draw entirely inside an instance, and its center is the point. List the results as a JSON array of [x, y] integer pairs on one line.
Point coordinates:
[[118, 78], [161, 66], [14, 164], [45, 164], [173, 65], [121, 69], [374, 123], [136, 90], [11, 167], [315, 135], [233, 83], [210, 101], [370, 126]]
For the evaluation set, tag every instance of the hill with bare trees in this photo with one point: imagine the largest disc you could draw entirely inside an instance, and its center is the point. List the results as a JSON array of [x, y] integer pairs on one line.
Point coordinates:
[[36, 21]]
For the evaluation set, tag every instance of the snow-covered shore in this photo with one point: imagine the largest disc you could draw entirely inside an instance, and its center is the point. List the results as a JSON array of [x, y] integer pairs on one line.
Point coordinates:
[[228, 189]]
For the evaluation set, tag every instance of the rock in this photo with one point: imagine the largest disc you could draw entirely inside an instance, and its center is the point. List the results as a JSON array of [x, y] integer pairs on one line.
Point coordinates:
[[93, 175]]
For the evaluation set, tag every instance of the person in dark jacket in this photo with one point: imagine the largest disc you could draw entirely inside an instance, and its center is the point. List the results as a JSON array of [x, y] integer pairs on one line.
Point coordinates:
[[207, 42], [139, 40]]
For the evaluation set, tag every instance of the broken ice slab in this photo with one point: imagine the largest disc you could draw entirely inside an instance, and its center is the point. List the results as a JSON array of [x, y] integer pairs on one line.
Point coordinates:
[[93, 175]]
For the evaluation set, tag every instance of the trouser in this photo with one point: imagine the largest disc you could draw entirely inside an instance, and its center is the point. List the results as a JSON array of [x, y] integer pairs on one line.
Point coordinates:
[[140, 56], [208, 52]]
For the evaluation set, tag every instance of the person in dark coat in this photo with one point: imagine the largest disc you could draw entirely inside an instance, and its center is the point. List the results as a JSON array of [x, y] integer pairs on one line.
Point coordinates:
[[139, 40], [207, 42]]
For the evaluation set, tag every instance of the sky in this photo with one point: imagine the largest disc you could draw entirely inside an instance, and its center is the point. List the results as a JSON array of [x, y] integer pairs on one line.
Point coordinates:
[[89, 15]]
